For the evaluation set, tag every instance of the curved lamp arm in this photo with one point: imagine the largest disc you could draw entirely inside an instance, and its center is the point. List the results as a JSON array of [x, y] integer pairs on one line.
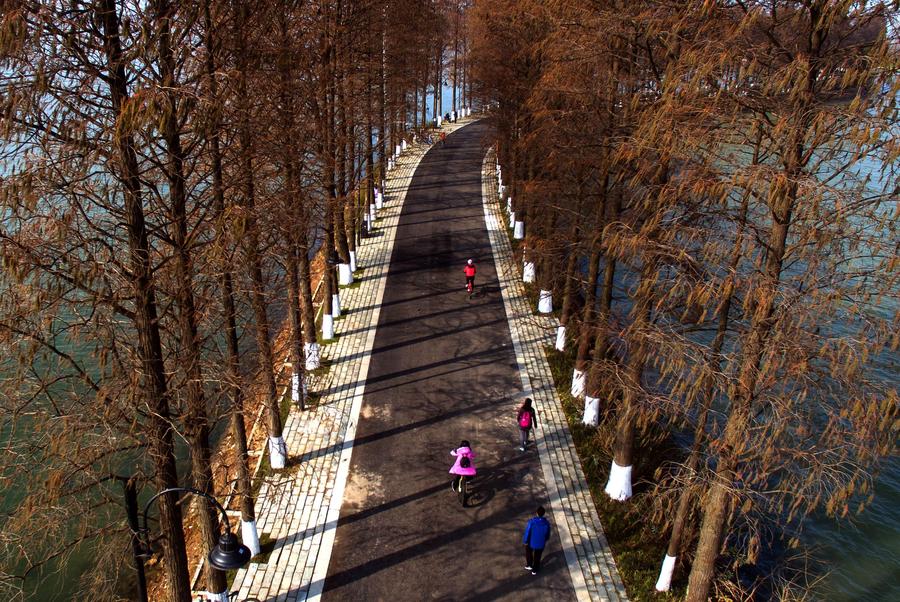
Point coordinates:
[[202, 494]]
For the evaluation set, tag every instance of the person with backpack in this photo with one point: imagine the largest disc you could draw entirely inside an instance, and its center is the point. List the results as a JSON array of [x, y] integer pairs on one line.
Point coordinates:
[[464, 466], [526, 417], [537, 531]]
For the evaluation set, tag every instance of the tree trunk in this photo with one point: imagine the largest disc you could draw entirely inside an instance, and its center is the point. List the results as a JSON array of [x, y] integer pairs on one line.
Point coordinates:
[[233, 361], [781, 202], [338, 127], [601, 341], [298, 387], [196, 422], [715, 361], [569, 284], [382, 108], [146, 323], [278, 452], [307, 313], [582, 355]]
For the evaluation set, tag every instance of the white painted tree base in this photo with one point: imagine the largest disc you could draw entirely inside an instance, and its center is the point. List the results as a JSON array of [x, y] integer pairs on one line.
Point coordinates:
[[249, 536], [372, 214], [345, 274], [336, 305], [312, 355], [578, 379], [618, 487], [665, 574], [545, 302], [512, 219], [591, 416], [440, 119], [327, 326], [379, 199], [397, 151], [390, 165], [219, 597], [403, 145], [528, 271], [519, 230], [277, 452], [353, 265], [561, 338]]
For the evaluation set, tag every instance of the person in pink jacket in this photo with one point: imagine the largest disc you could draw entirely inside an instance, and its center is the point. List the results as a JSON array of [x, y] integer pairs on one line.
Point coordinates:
[[464, 465]]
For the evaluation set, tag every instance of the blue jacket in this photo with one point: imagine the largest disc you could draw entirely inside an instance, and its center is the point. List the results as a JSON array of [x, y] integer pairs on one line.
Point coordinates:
[[536, 533]]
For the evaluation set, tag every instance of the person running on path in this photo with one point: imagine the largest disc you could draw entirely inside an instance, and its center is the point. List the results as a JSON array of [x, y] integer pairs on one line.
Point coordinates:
[[469, 271], [537, 531], [464, 466], [526, 418]]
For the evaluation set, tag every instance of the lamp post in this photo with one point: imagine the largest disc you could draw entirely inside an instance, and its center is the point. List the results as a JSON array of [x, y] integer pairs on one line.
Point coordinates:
[[228, 554]]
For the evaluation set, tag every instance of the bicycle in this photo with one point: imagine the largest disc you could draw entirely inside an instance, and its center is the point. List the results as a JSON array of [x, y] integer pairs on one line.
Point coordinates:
[[469, 271], [463, 490]]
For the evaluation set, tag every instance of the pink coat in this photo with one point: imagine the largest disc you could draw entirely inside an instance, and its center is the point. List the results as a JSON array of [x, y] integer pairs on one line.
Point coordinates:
[[457, 469]]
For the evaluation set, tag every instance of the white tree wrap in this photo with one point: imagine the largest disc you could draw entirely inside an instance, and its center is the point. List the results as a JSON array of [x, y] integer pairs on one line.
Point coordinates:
[[561, 338], [249, 536], [312, 355], [545, 302], [665, 574], [591, 416], [277, 452], [618, 487], [528, 271], [345, 274], [327, 326], [578, 378]]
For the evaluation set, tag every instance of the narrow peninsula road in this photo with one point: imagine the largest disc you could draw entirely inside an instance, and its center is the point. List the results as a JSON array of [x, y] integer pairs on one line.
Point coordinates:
[[442, 369]]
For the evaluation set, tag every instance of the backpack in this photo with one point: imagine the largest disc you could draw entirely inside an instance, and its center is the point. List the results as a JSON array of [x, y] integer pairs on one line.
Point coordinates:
[[465, 462], [525, 419]]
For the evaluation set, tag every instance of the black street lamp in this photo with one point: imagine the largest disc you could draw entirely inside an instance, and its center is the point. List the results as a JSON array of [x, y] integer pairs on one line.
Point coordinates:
[[228, 554]]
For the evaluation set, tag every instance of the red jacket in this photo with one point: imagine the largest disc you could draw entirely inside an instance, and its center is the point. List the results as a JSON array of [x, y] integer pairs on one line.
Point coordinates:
[[469, 270]]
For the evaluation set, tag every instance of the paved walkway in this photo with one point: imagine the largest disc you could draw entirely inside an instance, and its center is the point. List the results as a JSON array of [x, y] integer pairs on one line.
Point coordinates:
[[590, 560], [299, 508]]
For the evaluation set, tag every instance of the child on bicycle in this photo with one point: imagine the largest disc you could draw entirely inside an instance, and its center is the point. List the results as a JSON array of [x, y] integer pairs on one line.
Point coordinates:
[[464, 466], [469, 271]]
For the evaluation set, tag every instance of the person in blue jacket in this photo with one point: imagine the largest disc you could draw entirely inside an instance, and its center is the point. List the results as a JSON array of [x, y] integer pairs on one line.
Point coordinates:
[[535, 539]]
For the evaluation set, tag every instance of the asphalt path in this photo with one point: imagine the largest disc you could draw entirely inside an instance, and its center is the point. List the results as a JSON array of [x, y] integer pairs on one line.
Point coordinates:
[[442, 369]]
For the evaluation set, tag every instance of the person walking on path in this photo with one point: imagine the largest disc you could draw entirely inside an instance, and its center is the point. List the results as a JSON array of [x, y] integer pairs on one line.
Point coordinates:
[[537, 531], [526, 417], [464, 466]]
